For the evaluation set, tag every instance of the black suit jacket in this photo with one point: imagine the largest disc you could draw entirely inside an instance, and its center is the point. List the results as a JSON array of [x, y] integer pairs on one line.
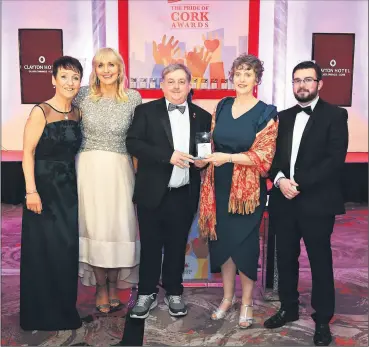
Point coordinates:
[[150, 140], [319, 162]]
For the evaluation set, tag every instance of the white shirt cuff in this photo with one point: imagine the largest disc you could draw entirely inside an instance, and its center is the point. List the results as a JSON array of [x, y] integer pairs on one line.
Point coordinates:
[[280, 174]]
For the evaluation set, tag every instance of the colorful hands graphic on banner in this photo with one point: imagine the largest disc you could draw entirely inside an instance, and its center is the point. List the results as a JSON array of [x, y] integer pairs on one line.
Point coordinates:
[[197, 256], [163, 52], [214, 44], [197, 60]]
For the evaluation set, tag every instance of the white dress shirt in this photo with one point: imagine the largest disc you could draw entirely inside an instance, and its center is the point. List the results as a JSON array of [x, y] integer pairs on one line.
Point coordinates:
[[180, 124], [298, 129]]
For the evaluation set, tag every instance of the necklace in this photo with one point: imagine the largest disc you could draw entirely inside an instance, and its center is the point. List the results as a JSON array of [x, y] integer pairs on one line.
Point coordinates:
[[65, 113]]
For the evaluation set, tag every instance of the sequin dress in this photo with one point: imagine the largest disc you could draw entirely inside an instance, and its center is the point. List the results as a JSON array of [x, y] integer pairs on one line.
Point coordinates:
[[108, 232]]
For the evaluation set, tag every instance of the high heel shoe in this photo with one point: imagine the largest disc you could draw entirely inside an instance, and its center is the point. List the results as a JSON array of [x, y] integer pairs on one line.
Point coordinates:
[[114, 303], [219, 313], [245, 318], [102, 308]]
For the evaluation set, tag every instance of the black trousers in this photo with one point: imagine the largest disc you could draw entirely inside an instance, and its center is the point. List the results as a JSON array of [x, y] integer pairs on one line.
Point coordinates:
[[316, 232], [167, 227]]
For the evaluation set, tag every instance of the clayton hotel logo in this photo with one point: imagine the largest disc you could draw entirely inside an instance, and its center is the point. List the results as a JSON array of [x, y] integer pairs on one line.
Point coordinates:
[[191, 16], [335, 69], [40, 66]]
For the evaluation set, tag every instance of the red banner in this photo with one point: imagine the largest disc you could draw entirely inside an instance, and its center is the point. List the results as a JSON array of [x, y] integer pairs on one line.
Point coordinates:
[[38, 48], [335, 55]]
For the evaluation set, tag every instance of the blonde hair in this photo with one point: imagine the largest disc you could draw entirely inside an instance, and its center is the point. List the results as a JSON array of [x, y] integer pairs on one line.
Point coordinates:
[[112, 55]]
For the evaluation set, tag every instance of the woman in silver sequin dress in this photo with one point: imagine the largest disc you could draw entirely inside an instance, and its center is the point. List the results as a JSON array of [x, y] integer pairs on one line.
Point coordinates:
[[109, 246]]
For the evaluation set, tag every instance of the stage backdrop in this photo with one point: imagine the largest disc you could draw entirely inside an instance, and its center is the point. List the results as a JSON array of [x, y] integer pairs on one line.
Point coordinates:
[[38, 48], [191, 32], [347, 17], [197, 261], [196, 34], [335, 55]]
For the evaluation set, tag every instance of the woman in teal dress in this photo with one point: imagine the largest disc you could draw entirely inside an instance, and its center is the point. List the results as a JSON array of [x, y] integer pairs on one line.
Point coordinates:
[[237, 123]]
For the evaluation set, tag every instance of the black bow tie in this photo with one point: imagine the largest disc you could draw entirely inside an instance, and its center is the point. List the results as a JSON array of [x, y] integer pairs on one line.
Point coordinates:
[[172, 107], [307, 109]]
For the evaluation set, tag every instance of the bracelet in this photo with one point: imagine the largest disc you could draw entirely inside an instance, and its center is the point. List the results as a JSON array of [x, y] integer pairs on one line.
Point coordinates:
[[230, 159], [32, 192]]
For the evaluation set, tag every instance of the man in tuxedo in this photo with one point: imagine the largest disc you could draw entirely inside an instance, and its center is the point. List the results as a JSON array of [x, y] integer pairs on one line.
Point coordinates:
[[162, 138], [310, 154]]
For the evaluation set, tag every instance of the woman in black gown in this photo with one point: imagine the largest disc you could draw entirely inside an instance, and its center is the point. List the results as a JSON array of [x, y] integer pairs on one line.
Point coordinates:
[[49, 249], [236, 248]]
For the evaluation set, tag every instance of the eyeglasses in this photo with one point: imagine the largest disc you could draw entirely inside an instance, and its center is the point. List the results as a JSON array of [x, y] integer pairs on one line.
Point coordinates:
[[307, 80]]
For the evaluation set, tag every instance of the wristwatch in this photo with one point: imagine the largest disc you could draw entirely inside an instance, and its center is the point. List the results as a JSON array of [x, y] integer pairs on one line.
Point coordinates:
[[277, 183]]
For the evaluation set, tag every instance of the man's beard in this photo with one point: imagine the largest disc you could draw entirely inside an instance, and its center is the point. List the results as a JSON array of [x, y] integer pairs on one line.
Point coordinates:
[[311, 96]]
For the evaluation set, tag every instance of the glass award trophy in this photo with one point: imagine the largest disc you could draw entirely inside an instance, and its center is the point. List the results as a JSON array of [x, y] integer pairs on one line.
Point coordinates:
[[203, 145]]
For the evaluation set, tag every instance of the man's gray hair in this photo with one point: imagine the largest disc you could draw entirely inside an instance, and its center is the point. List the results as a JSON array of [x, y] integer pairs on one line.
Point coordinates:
[[173, 67]]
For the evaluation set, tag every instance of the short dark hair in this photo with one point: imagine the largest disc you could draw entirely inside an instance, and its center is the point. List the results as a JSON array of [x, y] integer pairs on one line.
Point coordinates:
[[68, 63], [248, 62], [309, 64]]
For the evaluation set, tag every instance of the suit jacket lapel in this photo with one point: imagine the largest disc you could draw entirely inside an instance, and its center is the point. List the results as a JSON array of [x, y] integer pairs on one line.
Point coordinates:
[[309, 124], [192, 115], [164, 119]]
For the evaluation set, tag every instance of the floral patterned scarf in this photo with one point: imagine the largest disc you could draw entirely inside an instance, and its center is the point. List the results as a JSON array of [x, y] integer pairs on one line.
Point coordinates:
[[245, 189]]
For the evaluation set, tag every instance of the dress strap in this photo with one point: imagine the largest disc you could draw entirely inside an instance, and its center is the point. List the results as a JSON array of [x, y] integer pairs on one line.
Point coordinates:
[[43, 111], [217, 110], [269, 113], [77, 111]]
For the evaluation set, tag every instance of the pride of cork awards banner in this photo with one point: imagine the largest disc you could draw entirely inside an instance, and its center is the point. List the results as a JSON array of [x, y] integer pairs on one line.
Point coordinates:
[[38, 48], [206, 36], [335, 55], [197, 256]]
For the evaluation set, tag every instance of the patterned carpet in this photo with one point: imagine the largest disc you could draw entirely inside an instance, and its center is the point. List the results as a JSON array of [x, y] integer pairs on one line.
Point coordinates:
[[349, 326]]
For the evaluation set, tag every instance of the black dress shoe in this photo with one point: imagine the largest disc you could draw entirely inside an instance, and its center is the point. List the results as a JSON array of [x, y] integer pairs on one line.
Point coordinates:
[[322, 336], [280, 319]]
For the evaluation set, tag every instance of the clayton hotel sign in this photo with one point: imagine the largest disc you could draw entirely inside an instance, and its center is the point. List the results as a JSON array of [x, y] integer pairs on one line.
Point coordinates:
[[38, 48], [335, 55]]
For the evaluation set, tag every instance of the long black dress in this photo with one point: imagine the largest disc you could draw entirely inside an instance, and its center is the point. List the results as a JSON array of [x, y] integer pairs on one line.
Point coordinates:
[[49, 250], [237, 235]]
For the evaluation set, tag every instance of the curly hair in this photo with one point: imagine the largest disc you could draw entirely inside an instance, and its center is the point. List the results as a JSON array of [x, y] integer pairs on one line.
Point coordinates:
[[112, 55], [247, 62]]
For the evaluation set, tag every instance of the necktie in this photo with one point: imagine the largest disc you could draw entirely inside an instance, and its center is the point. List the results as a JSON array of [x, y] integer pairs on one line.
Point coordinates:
[[172, 107], [307, 109]]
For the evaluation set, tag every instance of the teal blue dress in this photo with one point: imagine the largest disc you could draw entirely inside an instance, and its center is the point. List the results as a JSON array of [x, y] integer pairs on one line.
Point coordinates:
[[237, 235]]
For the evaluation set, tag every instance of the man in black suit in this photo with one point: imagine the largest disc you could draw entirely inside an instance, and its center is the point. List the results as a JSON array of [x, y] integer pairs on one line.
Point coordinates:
[[310, 154], [162, 138]]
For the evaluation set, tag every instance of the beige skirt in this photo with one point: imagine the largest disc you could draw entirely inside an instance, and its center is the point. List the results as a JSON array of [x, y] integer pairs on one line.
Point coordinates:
[[108, 228]]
